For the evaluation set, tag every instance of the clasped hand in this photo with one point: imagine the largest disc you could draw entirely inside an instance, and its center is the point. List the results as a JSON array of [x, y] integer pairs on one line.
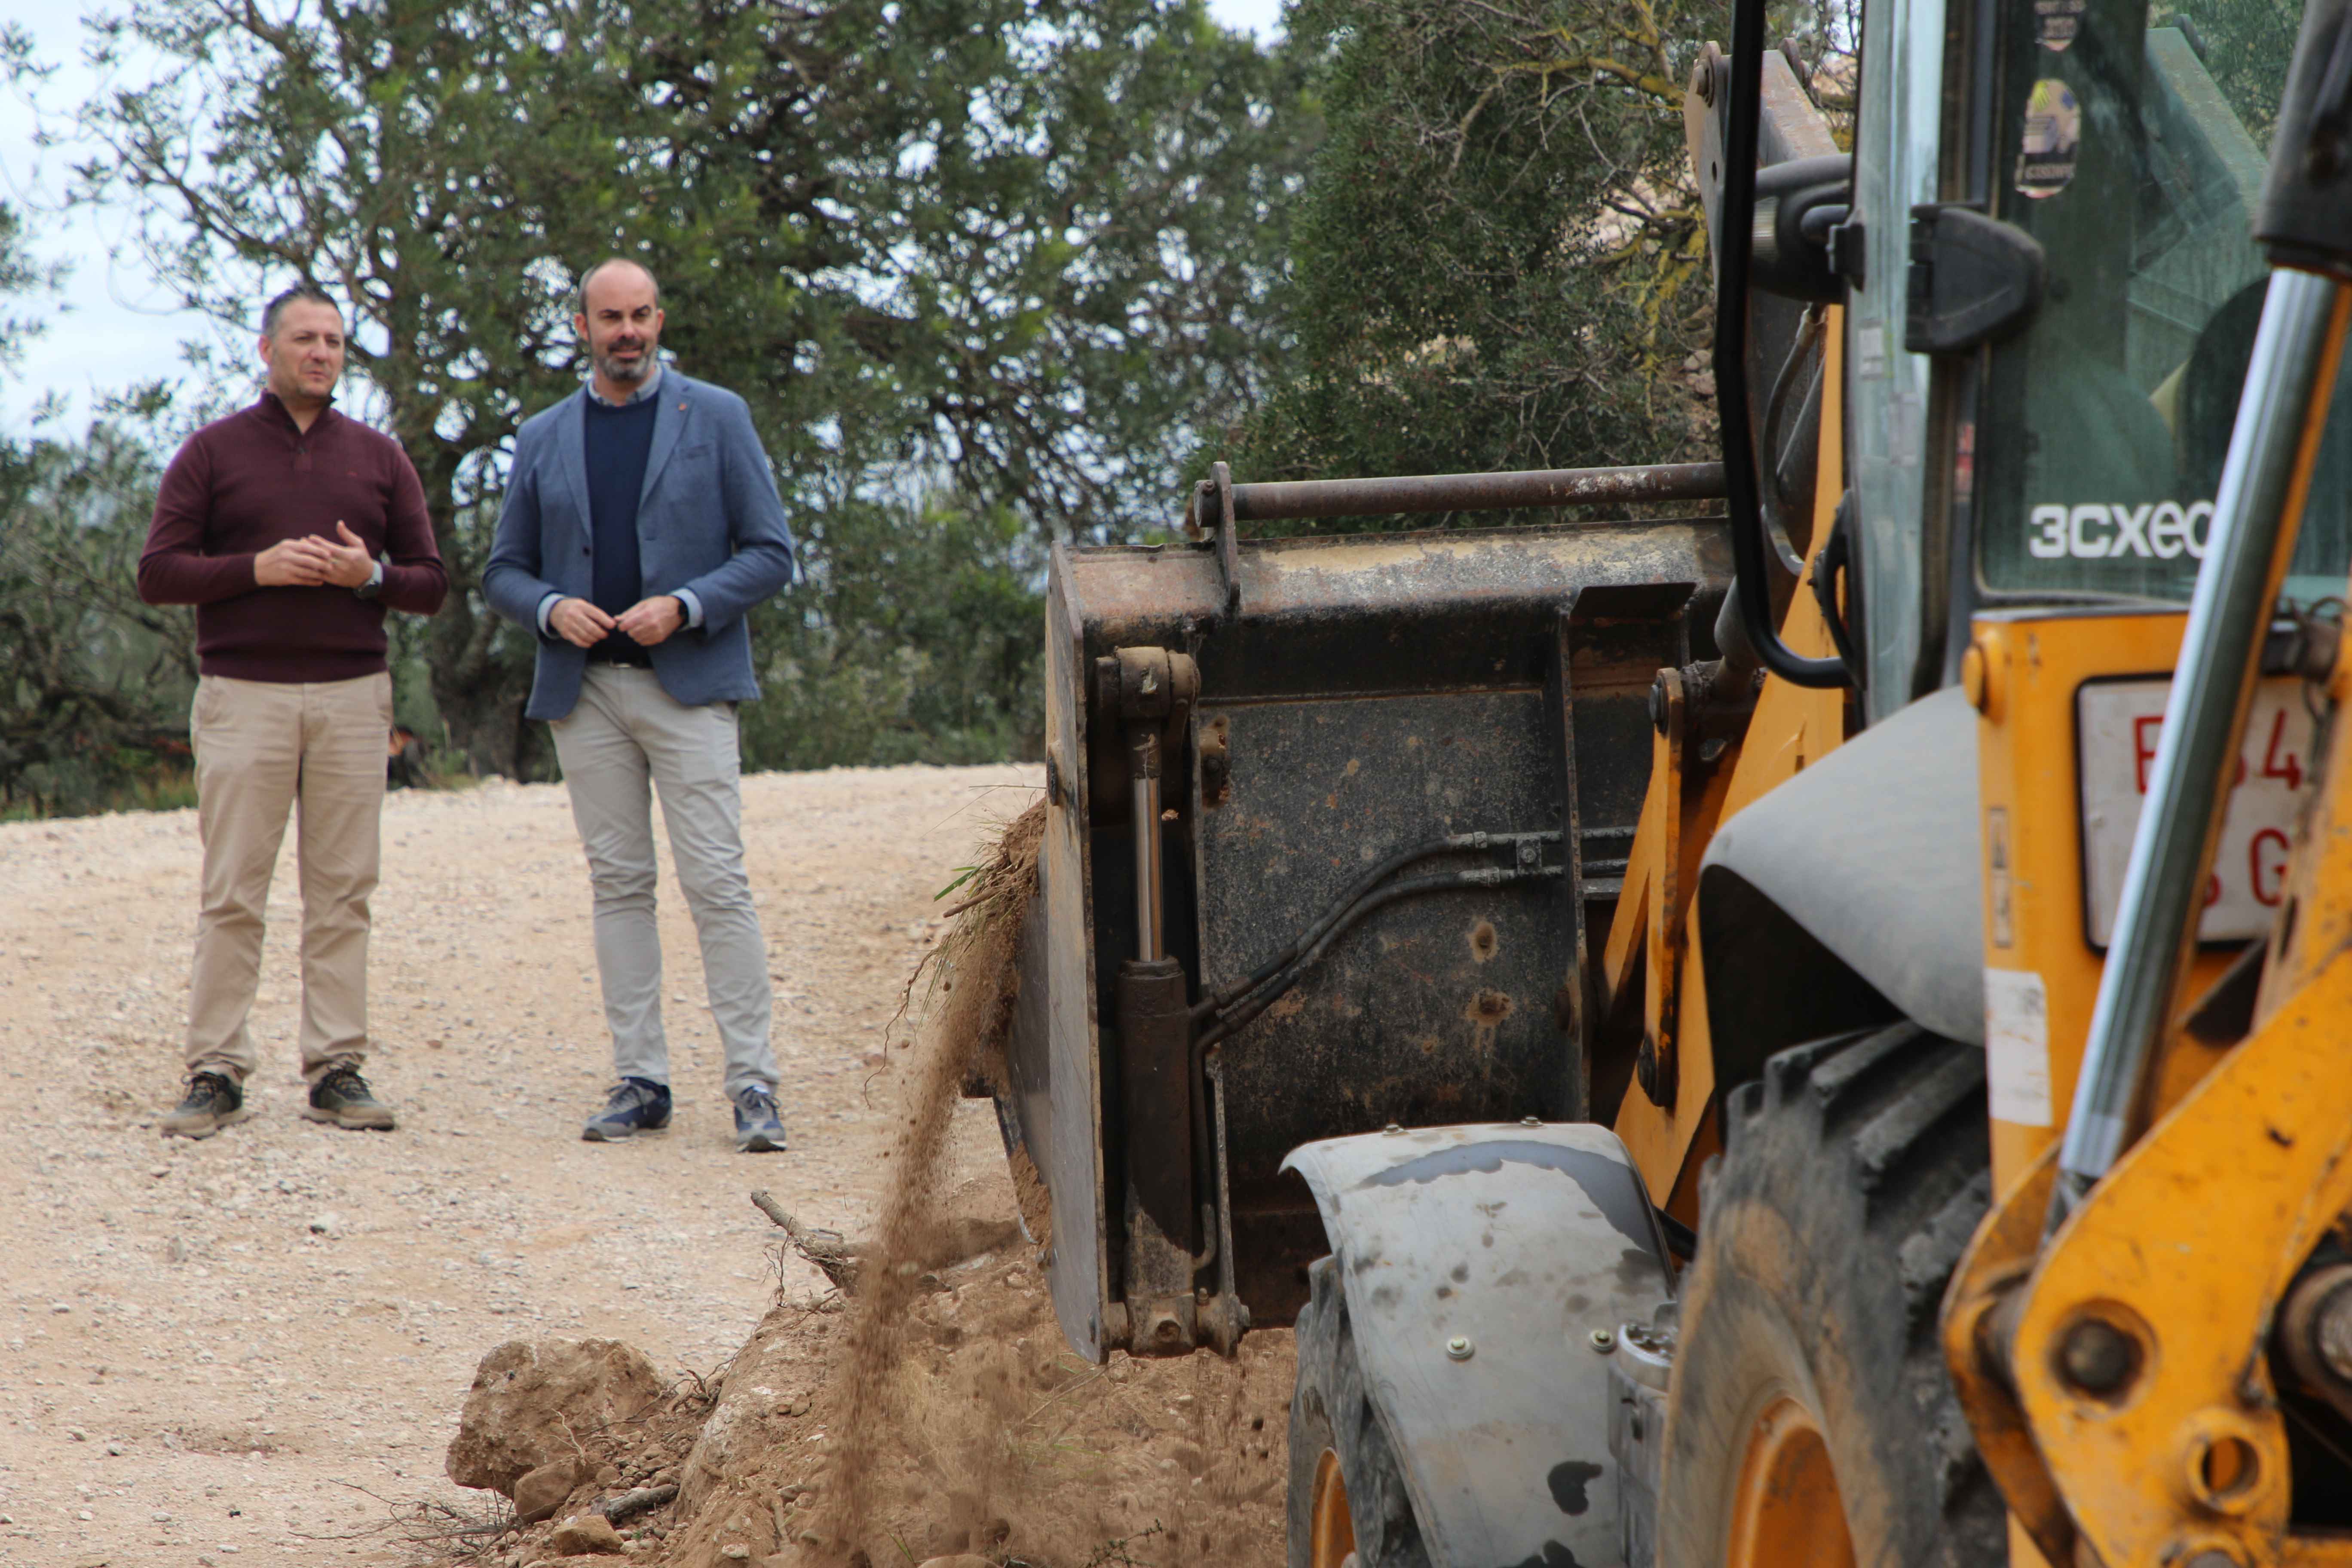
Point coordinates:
[[315, 559], [648, 622]]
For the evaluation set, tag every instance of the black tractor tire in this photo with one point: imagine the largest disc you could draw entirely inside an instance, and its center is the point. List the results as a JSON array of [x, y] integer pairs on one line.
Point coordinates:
[[1331, 1411], [1853, 1174]]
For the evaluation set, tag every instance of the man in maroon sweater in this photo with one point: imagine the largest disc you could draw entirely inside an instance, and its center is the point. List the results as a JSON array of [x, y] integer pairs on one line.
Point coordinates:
[[291, 529]]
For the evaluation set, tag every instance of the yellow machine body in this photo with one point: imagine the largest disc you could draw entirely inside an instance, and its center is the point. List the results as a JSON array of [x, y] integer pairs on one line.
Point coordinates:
[[1654, 935], [2188, 1244]]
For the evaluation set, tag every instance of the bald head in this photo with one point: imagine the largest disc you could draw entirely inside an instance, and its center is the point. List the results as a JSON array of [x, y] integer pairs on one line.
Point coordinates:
[[619, 266]]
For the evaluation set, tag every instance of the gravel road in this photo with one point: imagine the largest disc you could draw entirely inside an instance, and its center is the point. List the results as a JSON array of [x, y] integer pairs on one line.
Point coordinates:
[[245, 1351]]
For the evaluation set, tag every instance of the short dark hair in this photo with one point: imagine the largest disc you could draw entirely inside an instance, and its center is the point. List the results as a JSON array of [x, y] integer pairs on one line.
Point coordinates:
[[580, 297], [306, 290]]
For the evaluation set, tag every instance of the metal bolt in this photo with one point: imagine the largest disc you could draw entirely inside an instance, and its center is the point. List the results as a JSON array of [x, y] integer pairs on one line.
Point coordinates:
[[1603, 1340], [1531, 1122], [2332, 1331], [1392, 1129], [2098, 1358], [1459, 1348], [1702, 82]]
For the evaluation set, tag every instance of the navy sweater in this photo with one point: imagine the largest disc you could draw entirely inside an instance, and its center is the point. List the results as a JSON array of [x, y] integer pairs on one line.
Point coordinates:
[[619, 443]]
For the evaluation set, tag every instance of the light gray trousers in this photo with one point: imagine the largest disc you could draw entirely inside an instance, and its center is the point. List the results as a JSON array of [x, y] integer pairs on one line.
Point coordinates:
[[626, 739]]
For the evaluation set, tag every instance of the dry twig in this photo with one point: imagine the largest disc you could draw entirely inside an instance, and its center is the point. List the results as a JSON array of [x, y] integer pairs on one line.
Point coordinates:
[[828, 1251]]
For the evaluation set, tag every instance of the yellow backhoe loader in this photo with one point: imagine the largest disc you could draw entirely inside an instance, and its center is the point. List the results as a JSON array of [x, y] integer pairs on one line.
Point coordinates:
[[1816, 1034]]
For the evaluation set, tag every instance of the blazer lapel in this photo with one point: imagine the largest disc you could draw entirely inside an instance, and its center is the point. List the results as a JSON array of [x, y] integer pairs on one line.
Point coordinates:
[[669, 421], [571, 449]]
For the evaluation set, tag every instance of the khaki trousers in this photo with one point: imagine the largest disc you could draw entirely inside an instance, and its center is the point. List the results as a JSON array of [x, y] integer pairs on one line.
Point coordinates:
[[264, 748]]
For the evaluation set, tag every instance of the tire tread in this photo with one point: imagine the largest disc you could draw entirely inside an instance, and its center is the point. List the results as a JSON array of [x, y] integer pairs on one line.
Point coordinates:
[[1839, 1211], [1330, 1405]]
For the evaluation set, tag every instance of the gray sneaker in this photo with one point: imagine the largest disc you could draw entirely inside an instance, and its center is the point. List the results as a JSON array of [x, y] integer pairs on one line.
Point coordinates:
[[758, 1128], [213, 1102], [341, 1098]]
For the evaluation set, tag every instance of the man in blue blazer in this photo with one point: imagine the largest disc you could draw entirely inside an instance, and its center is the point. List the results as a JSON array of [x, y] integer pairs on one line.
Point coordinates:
[[641, 524]]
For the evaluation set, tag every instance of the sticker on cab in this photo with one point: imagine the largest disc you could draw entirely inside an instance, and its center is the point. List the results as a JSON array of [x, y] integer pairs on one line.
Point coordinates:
[[2053, 137], [2017, 1046]]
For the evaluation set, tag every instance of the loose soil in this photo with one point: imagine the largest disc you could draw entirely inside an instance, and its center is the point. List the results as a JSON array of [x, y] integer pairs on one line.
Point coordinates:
[[252, 1350]]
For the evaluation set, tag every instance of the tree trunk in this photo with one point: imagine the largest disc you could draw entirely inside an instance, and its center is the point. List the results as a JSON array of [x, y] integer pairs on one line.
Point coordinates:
[[480, 695], [480, 679]]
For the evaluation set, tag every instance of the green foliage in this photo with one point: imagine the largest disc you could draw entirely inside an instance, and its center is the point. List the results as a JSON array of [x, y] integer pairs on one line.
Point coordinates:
[[88, 675], [21, 275], [1498, 260], [917, 640], [1022, 245], [992, 273], [94, 685]]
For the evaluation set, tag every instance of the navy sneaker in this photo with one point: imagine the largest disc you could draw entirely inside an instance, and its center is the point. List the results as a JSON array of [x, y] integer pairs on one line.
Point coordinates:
[[636, 1105], [758, 1128]]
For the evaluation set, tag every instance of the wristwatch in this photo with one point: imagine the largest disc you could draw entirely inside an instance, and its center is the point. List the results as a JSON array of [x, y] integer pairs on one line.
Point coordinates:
[[373, 586]]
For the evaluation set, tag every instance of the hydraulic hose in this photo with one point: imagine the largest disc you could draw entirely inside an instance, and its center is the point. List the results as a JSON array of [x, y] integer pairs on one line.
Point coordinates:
[[1265, 989], [1209, 1006], [1232, 1022]]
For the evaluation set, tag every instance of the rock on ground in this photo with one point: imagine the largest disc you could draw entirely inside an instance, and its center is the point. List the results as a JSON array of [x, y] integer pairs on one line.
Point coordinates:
[[587, 1536], [541, 1492], [532, 1401]]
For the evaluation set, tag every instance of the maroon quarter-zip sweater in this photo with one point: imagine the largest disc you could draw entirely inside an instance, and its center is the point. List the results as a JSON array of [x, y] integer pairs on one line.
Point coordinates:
[[253, 479]]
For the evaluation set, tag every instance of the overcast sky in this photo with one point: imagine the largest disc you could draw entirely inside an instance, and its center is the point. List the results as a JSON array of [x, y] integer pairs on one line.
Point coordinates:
[[116, 326]]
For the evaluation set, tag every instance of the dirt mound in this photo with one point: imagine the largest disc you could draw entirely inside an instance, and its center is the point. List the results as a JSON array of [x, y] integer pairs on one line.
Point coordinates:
[[623, 1475], [986, 1435], [940, 1411]]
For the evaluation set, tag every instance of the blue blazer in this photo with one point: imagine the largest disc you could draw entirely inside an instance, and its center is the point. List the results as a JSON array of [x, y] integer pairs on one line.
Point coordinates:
[[709, 520]]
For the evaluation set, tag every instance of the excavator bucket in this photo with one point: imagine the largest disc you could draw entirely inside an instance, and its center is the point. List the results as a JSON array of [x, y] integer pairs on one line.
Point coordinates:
[[1387, 785]]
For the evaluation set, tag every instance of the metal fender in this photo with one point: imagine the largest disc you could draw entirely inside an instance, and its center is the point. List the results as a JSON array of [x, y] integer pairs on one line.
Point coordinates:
[[1488, 1270], [1901, 904]]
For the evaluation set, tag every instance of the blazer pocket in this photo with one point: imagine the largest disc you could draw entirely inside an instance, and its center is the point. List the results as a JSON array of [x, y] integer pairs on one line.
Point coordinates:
[[684, 492], [696, 466]]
